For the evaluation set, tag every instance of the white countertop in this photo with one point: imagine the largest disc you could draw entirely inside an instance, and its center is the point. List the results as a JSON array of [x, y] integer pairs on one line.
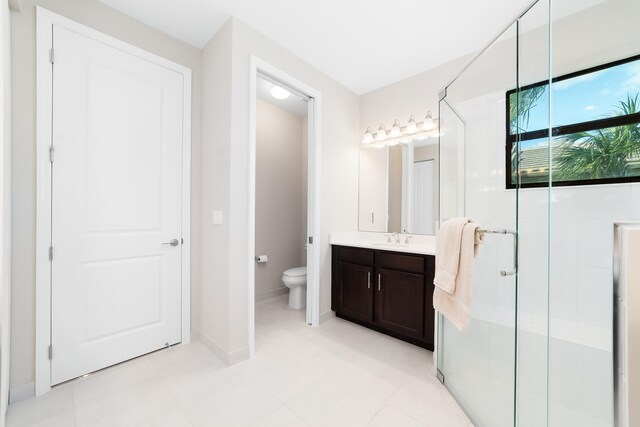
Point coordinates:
[[418, 244]]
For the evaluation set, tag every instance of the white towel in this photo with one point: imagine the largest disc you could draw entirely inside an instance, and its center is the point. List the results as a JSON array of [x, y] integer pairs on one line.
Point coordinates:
[[448, 253], [456, 306]]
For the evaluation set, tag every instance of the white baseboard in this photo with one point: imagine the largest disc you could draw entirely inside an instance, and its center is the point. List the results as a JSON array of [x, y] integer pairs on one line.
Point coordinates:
[[238, 356], [22, 392], [327, 316], [228, 358], [272, 293]]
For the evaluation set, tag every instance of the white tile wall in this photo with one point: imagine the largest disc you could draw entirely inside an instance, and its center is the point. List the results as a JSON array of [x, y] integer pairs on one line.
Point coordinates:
[[576, 305]]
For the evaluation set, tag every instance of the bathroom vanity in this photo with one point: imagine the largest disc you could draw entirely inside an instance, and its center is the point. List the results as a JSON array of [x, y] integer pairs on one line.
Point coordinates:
[[385, 289]]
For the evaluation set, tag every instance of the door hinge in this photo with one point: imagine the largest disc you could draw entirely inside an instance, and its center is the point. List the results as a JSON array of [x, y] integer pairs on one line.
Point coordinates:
[[51, 55], [52, 151], [311, 240], [50, 253], [50, 352]]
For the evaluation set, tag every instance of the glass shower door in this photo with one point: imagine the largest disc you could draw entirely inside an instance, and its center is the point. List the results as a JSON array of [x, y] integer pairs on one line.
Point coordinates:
[[479, 366], [497, 369]]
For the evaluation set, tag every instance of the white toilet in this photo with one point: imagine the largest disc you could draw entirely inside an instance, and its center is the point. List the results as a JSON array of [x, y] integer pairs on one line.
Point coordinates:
[[296, 280]]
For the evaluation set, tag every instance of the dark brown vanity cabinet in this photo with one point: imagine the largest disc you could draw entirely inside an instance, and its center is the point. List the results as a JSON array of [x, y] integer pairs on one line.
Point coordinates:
[[390, 292]]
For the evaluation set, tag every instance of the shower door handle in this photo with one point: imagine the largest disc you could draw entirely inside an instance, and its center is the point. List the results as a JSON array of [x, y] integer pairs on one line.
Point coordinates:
[[514, 234], [514, 263]]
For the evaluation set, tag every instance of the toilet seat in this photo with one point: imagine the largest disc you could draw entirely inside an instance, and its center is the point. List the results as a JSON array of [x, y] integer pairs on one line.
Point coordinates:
[[296, 272]]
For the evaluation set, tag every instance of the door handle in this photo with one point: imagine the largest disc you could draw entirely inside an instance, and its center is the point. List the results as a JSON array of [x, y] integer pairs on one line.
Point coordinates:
[[368, 280], [514, 265], [172, 242], [514, 234], [379, 279]]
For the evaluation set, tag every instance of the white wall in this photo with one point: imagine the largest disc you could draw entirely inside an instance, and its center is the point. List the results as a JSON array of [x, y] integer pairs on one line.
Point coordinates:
[[415, 95], [102, 18], [339, 180], [280, 227]]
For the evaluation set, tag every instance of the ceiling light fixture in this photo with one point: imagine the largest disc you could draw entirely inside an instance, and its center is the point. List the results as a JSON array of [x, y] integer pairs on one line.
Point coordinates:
[[279, 92]]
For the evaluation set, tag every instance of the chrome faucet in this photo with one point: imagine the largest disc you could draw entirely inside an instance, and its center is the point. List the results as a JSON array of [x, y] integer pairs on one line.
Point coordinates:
[[407, 236], [396, 237]]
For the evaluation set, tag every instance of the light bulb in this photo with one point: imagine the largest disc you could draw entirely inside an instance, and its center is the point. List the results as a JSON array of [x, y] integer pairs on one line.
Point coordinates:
[[428, 123], [411, 126], [395, 129], [368, 137], [279, 92], [382, 133]]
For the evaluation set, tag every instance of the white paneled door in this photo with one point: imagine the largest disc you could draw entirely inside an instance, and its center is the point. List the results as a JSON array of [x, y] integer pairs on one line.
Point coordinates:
[[116, 206]]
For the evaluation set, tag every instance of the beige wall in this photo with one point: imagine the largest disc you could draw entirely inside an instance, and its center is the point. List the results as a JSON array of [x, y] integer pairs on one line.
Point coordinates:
[[102, 18], [214, 195], [304, 197], [5, 206], [279, 196], [225, 281]]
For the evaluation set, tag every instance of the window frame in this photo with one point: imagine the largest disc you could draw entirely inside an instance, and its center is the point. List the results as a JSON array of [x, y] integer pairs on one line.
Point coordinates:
[[591, 125]]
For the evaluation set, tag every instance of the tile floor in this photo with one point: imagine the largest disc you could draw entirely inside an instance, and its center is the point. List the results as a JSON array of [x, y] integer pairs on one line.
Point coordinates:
[[339, 374]]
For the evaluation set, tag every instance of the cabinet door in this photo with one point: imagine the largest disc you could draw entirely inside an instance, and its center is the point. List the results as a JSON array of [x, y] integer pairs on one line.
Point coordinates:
[[400, 302], [355, 291]]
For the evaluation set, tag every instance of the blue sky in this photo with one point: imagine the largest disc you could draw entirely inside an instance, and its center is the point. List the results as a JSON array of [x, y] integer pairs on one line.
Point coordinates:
[[587, 97]]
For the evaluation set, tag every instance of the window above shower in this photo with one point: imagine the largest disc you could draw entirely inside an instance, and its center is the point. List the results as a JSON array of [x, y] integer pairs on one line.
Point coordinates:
[[595, 134]]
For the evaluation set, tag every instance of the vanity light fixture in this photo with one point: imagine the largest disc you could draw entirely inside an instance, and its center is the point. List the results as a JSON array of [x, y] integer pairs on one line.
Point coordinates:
[[411, 126], [398, 134], [368, 137], [382, 133], [428, 124], [279, 92], [395, 129]]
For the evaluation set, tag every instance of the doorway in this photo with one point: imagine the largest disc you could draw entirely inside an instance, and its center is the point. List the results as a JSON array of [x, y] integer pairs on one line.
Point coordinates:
[[262, 71], [113, 202]]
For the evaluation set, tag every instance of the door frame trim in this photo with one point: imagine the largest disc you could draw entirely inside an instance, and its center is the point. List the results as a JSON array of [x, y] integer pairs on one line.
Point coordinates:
[[45, 20], [314, 174]]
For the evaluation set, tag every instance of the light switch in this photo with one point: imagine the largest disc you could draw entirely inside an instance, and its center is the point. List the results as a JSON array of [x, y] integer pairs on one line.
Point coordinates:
[[217, 217]]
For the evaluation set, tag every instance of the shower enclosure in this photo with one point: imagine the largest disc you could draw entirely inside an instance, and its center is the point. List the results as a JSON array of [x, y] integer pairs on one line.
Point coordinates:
[[540, 136]]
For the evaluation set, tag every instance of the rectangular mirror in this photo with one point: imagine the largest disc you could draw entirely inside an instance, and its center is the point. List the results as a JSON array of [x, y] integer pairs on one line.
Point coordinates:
[[398, 188]]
